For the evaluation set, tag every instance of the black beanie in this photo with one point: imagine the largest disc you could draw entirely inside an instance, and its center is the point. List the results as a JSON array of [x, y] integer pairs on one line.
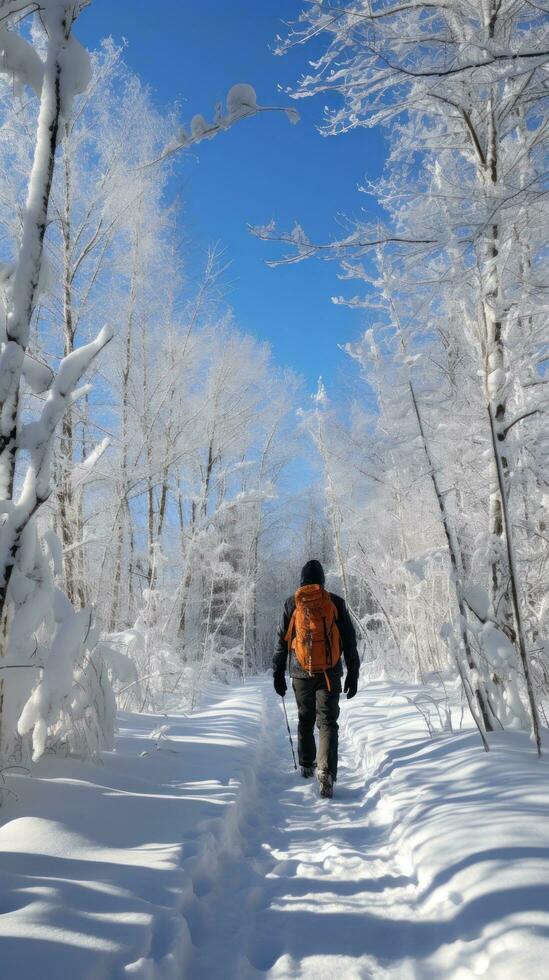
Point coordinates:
[[312, 573]]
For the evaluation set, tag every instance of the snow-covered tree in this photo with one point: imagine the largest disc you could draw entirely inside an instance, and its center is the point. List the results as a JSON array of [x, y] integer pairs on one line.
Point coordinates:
[[39, 626], [85, 163], [459, 264]]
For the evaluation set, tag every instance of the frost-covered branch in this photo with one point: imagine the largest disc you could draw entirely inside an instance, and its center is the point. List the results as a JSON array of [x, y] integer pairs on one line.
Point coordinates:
[[355, 244], [241, 103]]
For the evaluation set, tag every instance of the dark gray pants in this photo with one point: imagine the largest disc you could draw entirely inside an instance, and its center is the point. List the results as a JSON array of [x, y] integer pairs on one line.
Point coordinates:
[[316, 703]]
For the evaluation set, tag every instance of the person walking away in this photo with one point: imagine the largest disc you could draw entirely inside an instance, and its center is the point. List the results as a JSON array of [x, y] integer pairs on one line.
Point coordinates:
[[314, 632]]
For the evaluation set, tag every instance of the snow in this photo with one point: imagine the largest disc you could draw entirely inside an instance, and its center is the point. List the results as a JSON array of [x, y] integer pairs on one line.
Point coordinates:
[[76, 72], [56, 683], [199, 126], [477, 598], [74, 364], [37, 375], [19, 59], [241, 100], [241, 103], [195, 850], [101, 868]]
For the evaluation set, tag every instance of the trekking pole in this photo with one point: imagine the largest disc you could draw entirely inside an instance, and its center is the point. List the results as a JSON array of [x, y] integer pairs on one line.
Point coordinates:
[[289, 732]]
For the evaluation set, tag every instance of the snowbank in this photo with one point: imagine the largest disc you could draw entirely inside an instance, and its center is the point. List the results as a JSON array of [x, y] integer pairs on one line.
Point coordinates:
[[470, 829], [100, 866]]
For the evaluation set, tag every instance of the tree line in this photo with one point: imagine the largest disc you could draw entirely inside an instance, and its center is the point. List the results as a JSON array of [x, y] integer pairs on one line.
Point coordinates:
[[438, 498], [154, 507], [140, 504]]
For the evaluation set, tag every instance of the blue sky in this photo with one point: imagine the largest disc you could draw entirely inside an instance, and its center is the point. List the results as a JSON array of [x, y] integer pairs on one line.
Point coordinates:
[[192, 51]]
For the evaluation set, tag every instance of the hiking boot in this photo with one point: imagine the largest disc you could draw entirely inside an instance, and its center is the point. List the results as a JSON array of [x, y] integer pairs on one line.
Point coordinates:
[[326, 784], [307, 771]]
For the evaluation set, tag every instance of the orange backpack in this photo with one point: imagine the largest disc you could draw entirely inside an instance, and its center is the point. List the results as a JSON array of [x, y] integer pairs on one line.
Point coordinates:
[[313, 634]]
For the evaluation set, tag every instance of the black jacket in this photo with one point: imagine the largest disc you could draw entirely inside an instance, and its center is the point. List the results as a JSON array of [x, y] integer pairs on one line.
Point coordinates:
[[346, 631]]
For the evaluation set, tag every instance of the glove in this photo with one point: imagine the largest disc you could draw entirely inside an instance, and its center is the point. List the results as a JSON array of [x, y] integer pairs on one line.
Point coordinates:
[[351, 684], [280, 683]]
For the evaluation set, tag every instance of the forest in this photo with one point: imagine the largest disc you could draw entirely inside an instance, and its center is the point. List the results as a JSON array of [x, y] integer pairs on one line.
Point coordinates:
[[164, 477]]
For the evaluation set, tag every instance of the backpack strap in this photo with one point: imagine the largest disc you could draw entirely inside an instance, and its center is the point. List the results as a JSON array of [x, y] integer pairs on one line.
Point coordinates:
[[290, 631]]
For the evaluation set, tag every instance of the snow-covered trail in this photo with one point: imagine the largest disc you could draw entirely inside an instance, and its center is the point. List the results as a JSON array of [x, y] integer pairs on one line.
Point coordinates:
[[431, 861], [318, 890], [206, 856]]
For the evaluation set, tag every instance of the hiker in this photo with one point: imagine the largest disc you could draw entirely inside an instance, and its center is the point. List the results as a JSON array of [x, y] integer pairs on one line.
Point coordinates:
[[315, 629]]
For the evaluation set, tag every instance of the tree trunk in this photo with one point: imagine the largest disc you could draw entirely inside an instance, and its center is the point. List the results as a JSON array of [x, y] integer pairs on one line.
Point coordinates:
[[514, 585], [456, 570]]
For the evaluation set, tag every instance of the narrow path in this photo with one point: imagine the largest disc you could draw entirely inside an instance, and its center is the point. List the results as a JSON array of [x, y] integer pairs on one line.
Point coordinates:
[[316, 890]]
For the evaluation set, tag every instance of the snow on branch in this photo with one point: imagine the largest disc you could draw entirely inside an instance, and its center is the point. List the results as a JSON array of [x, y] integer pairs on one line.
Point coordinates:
[[19, 59], [42, 708], [82, 472], [16, 9], [411, 52], [241, 103], [37, 438], [358, 242]]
